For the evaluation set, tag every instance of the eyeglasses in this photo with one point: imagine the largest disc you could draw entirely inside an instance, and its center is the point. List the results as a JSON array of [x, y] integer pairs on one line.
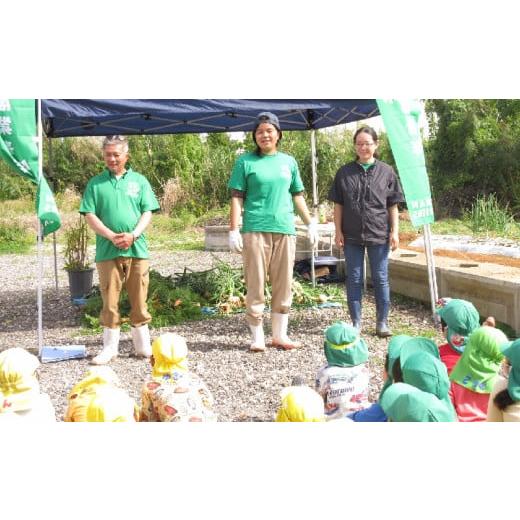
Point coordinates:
[[360, 145], [115, 138]]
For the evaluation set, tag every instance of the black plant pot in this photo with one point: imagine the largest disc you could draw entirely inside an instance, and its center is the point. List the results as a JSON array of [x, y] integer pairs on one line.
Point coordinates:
[[80, 283]]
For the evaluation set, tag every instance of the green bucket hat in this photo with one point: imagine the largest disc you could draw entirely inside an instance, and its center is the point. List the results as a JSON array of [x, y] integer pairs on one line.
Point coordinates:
[[343, 346], [418, 344], [479, 364], [512, 352], [394, 351], [462, 319], [406, 403], [427, 373]]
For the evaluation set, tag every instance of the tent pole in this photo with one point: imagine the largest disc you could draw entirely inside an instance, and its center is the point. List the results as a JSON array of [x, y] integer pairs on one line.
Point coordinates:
[[51, 175], [314, 175]]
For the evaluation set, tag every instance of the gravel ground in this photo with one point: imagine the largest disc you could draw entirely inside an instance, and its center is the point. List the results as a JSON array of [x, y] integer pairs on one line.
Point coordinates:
[[245, 386]]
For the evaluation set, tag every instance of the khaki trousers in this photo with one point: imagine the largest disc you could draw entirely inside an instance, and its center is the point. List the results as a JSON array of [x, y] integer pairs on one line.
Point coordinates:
[[134, 274], [268, 255]]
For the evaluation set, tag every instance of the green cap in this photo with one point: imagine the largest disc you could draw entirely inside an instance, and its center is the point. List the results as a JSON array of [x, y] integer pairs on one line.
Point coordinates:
[[462, 319], [427, 373], [479, 364], [343, 346], [406, 403], [418, 344]]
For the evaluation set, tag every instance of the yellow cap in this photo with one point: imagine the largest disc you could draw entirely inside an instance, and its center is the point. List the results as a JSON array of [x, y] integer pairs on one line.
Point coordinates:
[[111, 405], [18, 382], [169, 352], [300, 404]]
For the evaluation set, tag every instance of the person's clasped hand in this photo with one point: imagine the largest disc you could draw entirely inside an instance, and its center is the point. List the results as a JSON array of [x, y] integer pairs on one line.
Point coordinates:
[[312, 232], [235, 241], [123, 240]]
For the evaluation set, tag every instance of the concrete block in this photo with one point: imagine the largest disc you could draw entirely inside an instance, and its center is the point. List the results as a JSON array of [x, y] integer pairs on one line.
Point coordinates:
[[494, 289]]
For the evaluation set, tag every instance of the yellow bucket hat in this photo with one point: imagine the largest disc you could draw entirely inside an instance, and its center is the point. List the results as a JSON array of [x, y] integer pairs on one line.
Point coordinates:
[[169, 353], [111, 404], [18, 382], [300, 404]]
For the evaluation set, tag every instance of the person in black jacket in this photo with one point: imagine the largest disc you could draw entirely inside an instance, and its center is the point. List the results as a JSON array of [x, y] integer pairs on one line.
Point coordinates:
[[366, 193]]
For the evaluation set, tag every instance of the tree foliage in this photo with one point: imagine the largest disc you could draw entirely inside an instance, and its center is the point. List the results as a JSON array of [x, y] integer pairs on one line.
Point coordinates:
[[474, 148]]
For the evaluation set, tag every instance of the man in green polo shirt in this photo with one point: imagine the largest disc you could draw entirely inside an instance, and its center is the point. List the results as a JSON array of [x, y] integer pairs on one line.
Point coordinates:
[[118, 205]]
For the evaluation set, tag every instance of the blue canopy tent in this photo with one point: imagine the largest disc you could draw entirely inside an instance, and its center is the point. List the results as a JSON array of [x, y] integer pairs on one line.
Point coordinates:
[[91, 117], [82, 117]]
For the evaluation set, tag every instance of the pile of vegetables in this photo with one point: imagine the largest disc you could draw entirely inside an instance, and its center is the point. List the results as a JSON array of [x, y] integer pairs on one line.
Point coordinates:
[[196, 295]]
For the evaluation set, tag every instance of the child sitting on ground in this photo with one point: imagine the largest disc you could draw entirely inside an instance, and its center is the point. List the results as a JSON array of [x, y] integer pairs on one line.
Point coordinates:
[[504, 401], [473, 377], [300, 404], [174, 394], [20, 396], [97, 378], [402, 402], [343, 381], [374, 413], [459, 318]]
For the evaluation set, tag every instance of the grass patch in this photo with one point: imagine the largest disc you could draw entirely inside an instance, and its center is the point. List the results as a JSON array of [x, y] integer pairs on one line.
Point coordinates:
[[174, 233], [487, 216], [14, 239]]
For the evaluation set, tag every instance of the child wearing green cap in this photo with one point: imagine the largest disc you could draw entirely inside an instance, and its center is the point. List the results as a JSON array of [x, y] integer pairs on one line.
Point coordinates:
[[406, 403], [459, 318], [473, 377], [375, 413], [504, 401], [343, 380]]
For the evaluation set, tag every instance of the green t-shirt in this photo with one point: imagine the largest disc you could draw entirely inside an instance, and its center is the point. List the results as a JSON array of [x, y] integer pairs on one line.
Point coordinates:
[[119, 204], [268, 183]]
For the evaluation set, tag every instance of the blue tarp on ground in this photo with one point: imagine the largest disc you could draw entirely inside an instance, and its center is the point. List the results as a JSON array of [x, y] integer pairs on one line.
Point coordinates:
[[83, 117]]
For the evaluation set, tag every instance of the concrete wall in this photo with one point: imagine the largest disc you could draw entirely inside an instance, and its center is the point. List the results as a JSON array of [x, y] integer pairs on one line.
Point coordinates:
[[494, 289]]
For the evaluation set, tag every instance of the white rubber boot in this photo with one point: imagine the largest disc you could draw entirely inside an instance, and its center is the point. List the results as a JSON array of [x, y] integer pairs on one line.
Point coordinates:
[[110, 347], [141, 341], [257, 338], [280, 338]]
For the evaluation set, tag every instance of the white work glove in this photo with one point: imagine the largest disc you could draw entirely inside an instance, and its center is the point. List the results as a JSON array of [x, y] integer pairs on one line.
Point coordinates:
[[312, 233], [235, 241]]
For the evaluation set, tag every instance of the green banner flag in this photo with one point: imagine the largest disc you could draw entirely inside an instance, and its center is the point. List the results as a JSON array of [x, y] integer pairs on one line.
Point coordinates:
[[19, 149], [401, 120]]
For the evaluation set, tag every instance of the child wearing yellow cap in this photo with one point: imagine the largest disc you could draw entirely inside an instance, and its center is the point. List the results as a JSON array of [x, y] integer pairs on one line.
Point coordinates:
[[300, 404], [20, 396], [174, 394], [97, 379], [343, 381]]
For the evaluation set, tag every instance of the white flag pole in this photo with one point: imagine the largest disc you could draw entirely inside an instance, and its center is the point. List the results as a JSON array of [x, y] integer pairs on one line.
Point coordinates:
[[40, 234]]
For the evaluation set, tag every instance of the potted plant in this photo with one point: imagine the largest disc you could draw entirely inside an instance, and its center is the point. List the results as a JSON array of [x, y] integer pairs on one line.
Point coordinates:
[[77, 262]]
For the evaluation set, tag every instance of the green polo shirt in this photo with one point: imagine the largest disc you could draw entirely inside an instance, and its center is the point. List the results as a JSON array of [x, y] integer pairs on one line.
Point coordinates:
[[119, 204], [268, 183]]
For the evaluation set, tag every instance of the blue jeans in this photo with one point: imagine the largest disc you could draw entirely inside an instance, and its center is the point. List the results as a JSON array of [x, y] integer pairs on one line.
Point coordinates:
[[378, 258]]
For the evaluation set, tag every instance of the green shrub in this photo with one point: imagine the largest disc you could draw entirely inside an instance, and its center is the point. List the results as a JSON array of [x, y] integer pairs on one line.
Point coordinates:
[[14, 239], [486, 215]]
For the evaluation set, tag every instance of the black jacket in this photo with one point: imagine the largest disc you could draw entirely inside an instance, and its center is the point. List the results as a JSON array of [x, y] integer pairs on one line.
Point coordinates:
[[366, 197]]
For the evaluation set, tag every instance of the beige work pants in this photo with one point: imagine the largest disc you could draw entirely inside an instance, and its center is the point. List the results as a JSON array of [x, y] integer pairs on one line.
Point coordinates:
[[268, 256], [134, 274]]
